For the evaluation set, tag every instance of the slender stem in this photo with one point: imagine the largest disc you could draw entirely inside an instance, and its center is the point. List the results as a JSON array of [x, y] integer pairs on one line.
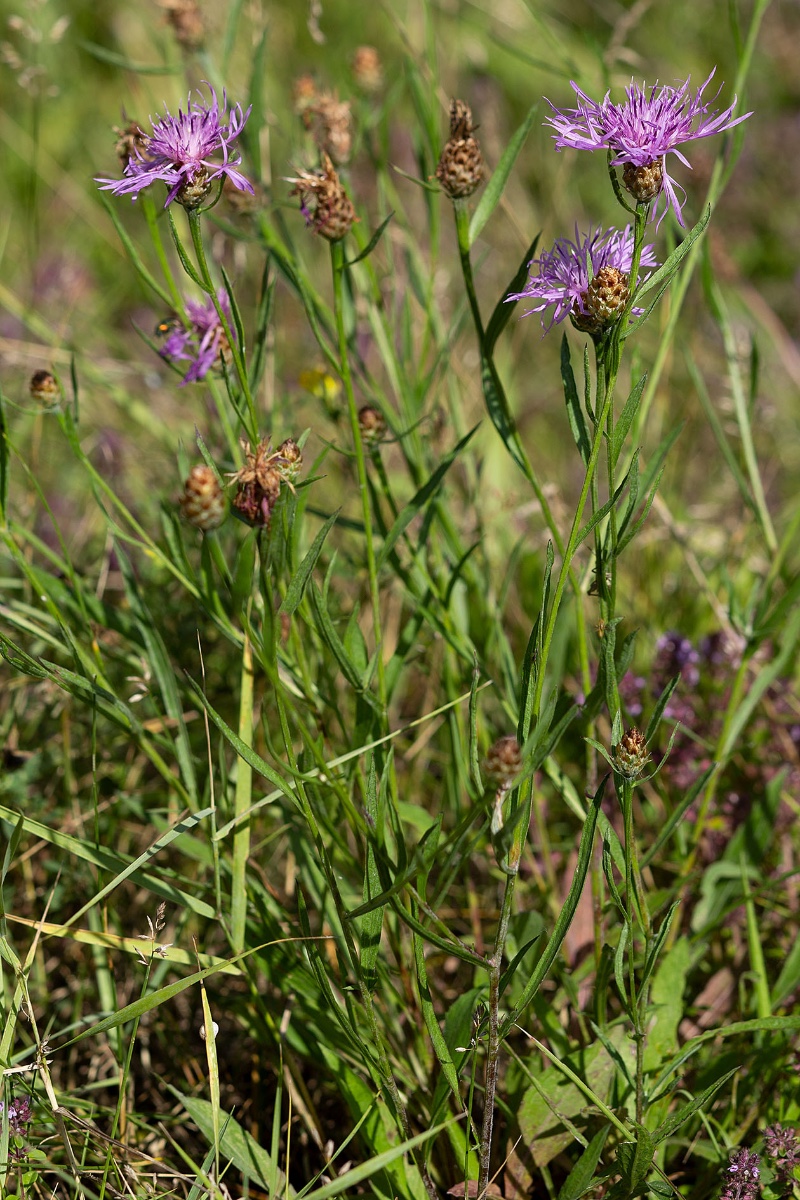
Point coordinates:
[[337, 264], [242, 802], [235, 349]]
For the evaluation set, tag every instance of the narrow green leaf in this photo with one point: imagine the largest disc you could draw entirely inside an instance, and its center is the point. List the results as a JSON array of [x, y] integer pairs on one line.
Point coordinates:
[[496, 185], [297, 587], [566, 915], [235, 1144], [668, 269], [678, 1118], [661, 704], [504, 308], [417, 502], [581, 1177], [498, 410], [103, 54], [372, 243], [626, 418]]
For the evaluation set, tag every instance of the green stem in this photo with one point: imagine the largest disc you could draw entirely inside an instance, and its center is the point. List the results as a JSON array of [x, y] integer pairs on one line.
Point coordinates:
[[338, 267], [242, 802]]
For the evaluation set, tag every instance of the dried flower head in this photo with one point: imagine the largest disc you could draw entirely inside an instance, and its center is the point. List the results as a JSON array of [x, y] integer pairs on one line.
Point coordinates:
[[187, 22], [367, 69], [180, 153], [323, 201], [568, 271], [460, 170], [258, 483], [330, 122], [742, 1176], [203, 341], [631, 753], [203, 501], [642, 131], [44, 389]]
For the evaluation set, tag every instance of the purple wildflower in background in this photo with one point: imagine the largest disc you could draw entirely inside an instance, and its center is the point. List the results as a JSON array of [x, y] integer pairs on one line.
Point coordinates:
[[19, 1115], [642, 131], [783, 1149], [742, 1176], [179, 153], [204, 342], [563, 279]]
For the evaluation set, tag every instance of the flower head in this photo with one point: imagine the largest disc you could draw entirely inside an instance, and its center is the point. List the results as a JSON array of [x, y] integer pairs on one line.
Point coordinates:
[[203, 341], [180, 151], [566, 271], [642, 131], [323, 201], [742, 1176]]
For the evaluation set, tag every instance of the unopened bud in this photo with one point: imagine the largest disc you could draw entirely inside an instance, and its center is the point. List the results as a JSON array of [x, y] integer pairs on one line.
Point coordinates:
[[372, 424], [460, 169], [44, 389], [367, 69], [503, 761], [631, 754], [289, 460], [187, 23], [203, 501]]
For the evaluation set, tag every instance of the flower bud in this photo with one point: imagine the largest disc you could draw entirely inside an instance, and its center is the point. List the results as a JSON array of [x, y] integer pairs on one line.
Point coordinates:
[[372, 424], [324, 202], [503, 762], [460, 169], [367, 69], [203, 502], [330, 123], [44, 389], [631, 754], [643, 183], [187, 23]]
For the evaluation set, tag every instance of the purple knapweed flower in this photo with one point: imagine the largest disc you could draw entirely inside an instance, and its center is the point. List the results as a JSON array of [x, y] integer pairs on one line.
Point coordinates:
[[179, 152], [204, 341], [564, 272], [742, 1176], [642, 131]]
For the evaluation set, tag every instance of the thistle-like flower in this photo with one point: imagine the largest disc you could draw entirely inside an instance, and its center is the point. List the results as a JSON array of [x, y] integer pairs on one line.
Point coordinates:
[[641, 132], [258, 483], [586, 280], [203, 342], [179, 152]]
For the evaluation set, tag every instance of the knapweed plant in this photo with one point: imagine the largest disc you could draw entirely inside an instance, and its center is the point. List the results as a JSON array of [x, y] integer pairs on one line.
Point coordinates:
[[400, 790]]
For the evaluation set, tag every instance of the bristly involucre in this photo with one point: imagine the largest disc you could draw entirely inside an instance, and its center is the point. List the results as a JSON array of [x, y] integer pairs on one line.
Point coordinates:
[[180, 153], [643, 130], [204, 343], [564, 277]]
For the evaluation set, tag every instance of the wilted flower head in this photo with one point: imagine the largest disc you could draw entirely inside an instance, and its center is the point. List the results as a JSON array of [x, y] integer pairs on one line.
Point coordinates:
[[323, 201], [258, 483], [742, 1176], [642, 131], [329, 121], [187, 22], [566, 271], [204, 342], [179, 153]]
